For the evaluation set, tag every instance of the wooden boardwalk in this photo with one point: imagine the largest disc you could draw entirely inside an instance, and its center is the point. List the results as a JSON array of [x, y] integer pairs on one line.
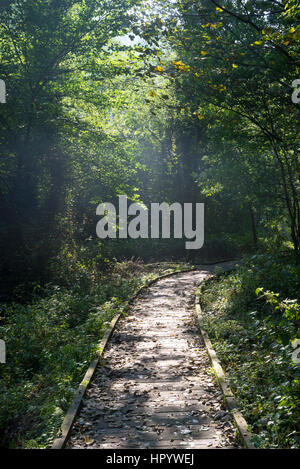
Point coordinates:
[[153, 389]]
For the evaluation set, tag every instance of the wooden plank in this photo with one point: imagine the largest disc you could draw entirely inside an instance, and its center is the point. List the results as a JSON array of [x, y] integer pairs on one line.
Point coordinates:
[[228, 395], [74, 408]]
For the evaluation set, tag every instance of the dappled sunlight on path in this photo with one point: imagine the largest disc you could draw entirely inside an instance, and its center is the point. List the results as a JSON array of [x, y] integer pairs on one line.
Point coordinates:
[[153, 389]]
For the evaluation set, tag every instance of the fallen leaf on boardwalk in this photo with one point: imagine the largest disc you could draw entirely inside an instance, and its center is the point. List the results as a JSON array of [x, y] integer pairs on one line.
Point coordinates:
[[161, 347], [185, 431]]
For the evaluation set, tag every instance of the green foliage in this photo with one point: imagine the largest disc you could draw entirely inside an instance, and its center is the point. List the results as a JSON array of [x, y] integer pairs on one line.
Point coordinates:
[[53, 148], [164, 102], [253, 338], [233, 72], [50, 343]]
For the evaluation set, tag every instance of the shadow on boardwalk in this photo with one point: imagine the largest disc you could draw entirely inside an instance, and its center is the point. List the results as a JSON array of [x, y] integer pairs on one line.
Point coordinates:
[[153, 389]]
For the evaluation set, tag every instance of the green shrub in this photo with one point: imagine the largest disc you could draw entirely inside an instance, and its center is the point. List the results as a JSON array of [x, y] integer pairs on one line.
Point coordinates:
[[252, 329]]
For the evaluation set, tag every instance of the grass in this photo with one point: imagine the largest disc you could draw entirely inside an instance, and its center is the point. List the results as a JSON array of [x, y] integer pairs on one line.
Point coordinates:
[[50, 342], [252, 316]]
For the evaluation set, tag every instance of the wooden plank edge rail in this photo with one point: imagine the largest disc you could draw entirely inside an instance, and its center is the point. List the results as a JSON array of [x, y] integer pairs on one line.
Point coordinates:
[[228, 396], [66, 427]]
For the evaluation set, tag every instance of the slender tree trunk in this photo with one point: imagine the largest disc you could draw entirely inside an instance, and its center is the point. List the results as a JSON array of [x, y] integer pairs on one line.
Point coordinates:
[[254, 230]]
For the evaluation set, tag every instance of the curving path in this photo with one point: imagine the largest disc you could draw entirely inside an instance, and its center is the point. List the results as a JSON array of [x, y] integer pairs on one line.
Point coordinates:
[[154, 388]]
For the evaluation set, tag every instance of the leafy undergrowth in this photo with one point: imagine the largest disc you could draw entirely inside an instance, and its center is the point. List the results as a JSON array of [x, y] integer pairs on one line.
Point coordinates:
[[50, 342], [253, 318]]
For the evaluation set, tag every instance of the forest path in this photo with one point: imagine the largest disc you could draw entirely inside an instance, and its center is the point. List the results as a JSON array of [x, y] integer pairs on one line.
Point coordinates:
[[153, 389]]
